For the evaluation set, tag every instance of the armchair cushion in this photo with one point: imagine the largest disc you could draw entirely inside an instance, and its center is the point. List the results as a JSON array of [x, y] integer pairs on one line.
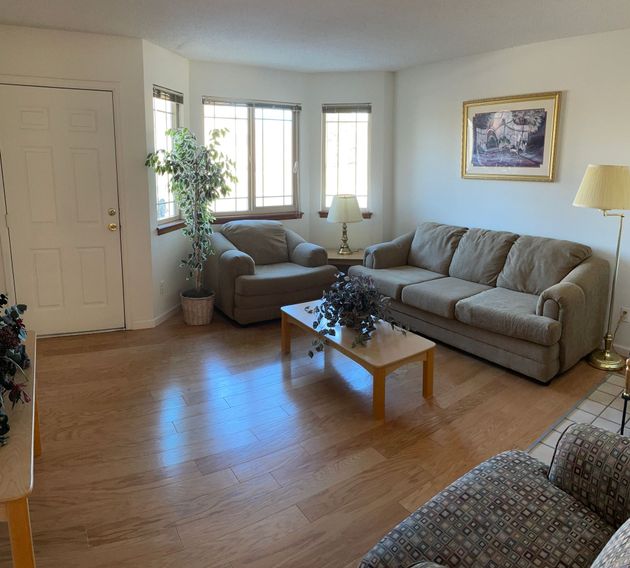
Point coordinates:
[[433, 246], [308, 254], [284, 277], [264, 241], [508, 313], [536, 263], [593, 465]]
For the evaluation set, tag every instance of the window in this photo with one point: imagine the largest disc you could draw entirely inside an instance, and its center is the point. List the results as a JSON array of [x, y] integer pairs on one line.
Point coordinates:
[[346, 150], [262, 140], [166, 114]]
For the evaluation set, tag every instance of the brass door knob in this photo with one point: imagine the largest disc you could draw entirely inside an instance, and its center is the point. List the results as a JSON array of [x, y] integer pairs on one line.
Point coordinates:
[[112, 227], [111, 212]]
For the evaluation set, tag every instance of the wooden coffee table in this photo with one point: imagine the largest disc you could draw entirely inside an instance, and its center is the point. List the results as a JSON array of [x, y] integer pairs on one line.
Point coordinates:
[[385, 352]]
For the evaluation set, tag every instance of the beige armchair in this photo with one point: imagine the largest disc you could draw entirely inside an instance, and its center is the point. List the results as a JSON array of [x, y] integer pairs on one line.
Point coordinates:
[[260, 266]]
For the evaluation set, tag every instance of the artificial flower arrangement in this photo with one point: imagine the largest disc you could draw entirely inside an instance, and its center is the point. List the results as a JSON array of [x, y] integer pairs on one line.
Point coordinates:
[[13, 361], [353, 302]]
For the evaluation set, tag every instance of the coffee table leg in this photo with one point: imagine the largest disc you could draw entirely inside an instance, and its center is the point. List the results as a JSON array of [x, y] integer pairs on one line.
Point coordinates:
[[285, 334], [378, 394], [20, 533], [427, 375]]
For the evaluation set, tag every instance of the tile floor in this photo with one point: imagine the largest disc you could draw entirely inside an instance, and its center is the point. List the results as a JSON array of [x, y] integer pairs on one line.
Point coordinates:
[[603, 408]]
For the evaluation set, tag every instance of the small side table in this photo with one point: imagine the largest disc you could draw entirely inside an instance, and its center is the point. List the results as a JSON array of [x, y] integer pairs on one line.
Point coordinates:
[[344, 261]]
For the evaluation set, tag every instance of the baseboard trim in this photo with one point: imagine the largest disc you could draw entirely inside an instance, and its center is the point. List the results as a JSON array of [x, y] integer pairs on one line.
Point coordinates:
[[148, 324], [623, 350]]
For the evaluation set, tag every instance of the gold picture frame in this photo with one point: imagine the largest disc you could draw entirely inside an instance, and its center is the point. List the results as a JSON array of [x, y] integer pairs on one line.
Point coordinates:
[[511, 138]]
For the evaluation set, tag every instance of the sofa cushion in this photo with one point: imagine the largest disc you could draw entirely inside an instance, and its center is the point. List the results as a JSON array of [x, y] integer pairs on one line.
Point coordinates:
[[264, 241], [433, 246], [502, 513], [536, 263], [284, 277], [616, 553], [440, 296], [480, 255], [509, 313], [391, 281]]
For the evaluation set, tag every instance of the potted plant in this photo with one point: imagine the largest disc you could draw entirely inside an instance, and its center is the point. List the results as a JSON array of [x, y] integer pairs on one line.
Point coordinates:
[[199, 175], [353, 302]]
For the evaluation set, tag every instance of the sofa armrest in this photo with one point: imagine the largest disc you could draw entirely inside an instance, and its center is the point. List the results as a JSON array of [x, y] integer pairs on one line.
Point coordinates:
[[593, 465], [232, 264], [391, 253], [578, 302], [308, 254]]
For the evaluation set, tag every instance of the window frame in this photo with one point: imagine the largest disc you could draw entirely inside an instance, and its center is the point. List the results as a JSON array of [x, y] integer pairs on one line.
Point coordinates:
[[166, 224], [332, 108], [254, 211]]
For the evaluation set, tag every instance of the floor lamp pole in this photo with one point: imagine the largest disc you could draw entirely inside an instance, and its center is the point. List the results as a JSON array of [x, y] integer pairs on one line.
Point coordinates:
[[607, 358]]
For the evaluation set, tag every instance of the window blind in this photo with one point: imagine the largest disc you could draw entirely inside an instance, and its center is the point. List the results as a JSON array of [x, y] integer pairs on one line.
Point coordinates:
[[349, 107], [167, 94], [206, 100]]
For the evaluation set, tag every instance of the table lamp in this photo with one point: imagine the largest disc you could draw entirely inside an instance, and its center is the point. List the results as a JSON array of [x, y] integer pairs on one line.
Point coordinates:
[[344, 209], [607, 188]]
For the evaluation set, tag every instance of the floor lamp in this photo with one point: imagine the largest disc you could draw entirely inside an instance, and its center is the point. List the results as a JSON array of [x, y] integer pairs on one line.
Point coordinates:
[[607, 188]]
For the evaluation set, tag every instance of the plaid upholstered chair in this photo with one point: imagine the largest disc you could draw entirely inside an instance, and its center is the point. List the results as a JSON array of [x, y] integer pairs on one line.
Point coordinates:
[[512, 511]]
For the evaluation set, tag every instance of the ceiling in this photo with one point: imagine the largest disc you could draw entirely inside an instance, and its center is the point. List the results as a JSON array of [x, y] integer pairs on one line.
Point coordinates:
[[326, 35]]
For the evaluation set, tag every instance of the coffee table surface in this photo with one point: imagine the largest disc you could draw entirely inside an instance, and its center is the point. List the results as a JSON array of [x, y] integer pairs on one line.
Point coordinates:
[[386, 348]]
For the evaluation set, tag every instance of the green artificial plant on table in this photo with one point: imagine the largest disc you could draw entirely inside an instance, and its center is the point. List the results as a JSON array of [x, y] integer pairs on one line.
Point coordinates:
[[198, 175]]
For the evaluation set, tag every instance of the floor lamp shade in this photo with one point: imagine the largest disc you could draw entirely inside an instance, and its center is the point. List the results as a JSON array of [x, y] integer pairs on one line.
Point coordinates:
[[607, 188], [344, 209]]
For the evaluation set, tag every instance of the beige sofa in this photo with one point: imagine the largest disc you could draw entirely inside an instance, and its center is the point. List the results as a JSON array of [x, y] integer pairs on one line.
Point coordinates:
[[532, 304], [259, 266]]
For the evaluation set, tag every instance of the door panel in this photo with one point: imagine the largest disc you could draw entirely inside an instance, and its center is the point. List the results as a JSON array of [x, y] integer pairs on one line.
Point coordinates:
[[59, 171]]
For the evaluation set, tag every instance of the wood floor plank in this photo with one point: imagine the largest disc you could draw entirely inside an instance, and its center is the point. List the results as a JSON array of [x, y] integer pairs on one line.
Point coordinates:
[[204, 446]]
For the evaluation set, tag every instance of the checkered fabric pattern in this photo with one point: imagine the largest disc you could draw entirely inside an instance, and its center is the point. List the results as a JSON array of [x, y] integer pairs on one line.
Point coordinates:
[[593, 466], [503, 514], [616, 554]]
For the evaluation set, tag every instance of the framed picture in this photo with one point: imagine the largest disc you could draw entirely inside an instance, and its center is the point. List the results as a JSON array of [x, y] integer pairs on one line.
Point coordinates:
[[511, 138]]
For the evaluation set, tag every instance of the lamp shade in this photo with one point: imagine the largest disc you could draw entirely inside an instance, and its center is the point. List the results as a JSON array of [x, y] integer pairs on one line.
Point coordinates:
[[604, 187], [344, 209]]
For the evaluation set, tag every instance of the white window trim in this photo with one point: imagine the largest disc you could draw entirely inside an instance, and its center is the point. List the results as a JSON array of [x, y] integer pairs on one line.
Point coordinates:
[[251, 104], [348, 107]]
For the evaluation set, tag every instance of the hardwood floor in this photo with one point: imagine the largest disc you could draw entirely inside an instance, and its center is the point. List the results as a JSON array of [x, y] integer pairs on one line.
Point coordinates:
[[204, 447]]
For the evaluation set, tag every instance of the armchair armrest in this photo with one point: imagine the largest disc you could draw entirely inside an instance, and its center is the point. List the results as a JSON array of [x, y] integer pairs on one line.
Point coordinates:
[[391, 253], [232, 264], [308, 254], [593, 465]]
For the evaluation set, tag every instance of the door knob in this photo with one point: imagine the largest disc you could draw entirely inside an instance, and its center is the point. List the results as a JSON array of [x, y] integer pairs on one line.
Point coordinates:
[[112, 227], [111, 212]]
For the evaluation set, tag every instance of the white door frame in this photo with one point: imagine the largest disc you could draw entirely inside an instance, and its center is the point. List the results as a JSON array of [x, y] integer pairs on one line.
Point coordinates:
[[114, 89]]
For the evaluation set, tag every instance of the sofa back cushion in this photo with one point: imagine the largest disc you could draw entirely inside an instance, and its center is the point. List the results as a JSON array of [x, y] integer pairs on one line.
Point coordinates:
[[433, 246], [536, 263], [480, 255], [264, 241]]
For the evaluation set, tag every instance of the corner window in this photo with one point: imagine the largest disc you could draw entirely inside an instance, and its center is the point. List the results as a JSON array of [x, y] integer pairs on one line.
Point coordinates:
[[262, 140], [166, 115], [345, 152]]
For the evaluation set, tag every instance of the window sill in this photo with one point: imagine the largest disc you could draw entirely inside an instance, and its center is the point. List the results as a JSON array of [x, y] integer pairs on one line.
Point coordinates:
[[170, 227], [271, 216], [366, 214]]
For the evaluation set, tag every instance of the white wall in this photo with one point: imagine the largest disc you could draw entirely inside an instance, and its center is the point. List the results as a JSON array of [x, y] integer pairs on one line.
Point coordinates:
[[46, 57], [164, 68], [311, 90], [592, 72]]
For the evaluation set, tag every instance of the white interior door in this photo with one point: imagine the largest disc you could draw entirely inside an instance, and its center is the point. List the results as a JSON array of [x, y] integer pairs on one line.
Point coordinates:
[[58, 159]]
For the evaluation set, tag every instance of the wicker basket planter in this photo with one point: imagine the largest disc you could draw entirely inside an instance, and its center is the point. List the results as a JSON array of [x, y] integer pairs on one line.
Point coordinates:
[[197, 311]]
